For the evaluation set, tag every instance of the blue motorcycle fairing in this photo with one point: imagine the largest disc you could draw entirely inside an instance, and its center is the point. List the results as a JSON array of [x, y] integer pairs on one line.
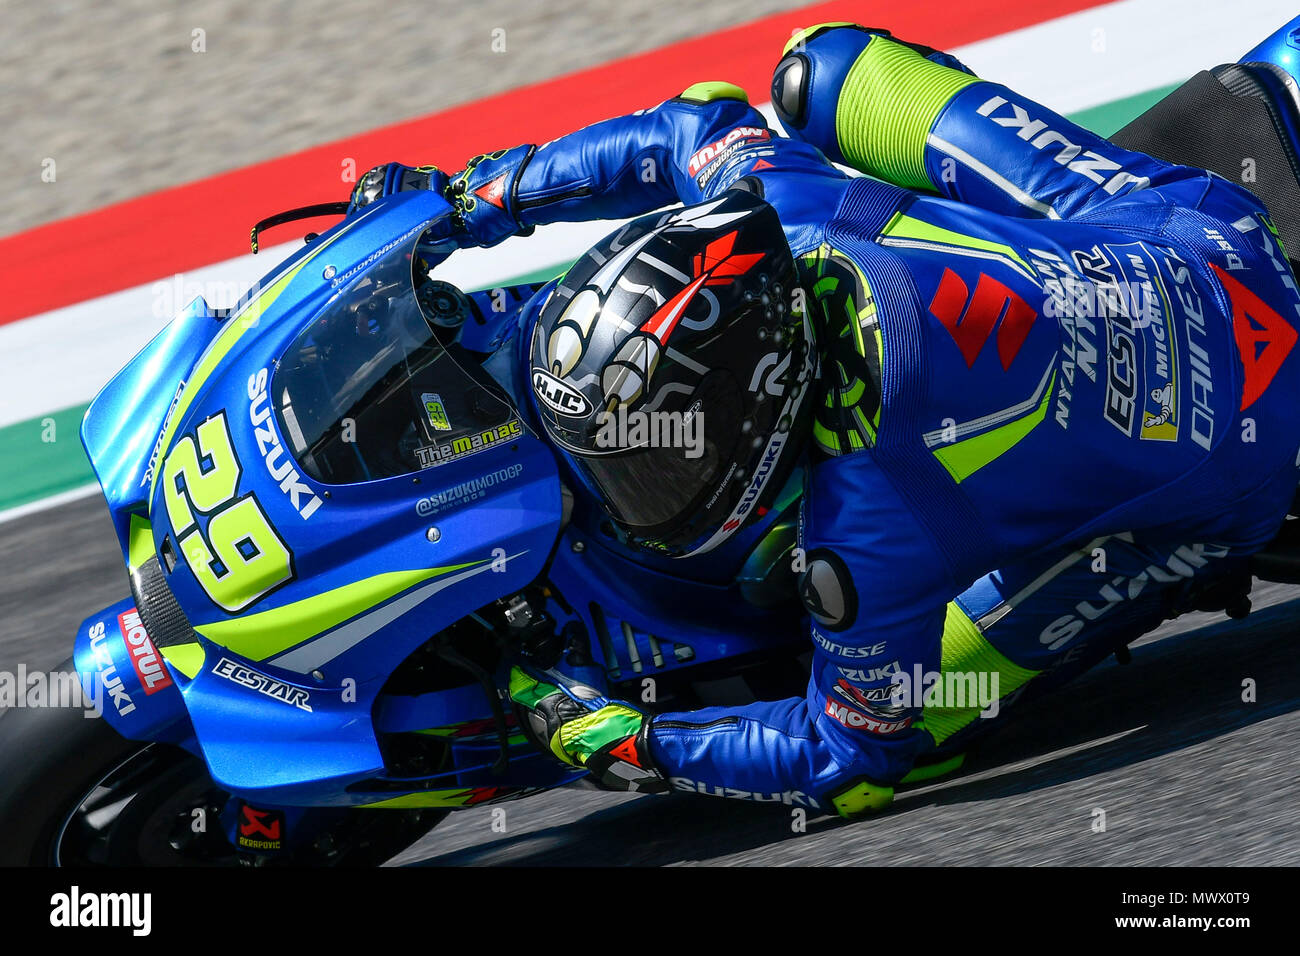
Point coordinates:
[[261, 747], [380, 522], [274, 742], [122, 426], [1281, 48], [441, 541], [128, 680]]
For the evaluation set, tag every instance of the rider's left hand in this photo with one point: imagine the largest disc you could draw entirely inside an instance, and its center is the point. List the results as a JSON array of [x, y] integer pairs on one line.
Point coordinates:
[[577, 725]]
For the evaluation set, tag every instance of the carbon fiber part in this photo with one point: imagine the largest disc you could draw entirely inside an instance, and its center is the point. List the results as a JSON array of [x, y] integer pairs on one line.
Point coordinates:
[[162, 616]]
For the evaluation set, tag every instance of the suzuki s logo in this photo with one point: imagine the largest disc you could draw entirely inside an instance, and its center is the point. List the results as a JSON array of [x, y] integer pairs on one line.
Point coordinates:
[[560, 396], [970, 317]]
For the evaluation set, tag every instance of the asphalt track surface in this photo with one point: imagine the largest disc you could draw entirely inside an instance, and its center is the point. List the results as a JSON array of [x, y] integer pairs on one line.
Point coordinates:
[[1185, 771]]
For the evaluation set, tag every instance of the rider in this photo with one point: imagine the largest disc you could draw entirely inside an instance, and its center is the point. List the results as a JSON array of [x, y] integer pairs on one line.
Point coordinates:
[[1033, 351]]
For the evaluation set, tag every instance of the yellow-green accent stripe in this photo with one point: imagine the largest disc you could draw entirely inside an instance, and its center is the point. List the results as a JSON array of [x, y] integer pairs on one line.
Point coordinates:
[[139, 536], [965, 650], [262, 635], [186, 658], [887, 107], [906, 227], [880, 350], [429, 798], [962, 459]]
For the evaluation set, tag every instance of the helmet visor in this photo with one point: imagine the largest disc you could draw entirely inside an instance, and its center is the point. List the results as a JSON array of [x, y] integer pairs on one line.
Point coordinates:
[[664, 465]]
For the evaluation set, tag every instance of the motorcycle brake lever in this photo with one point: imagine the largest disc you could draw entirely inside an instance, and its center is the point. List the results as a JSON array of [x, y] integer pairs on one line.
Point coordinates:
[[584, 694]]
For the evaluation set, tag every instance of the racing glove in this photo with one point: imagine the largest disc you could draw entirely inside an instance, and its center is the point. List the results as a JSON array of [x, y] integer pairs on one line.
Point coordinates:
[[583, 729], [485, 194], [389, 178]]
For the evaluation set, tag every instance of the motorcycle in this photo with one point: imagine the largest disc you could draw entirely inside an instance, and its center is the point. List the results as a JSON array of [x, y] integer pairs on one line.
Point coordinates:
[[340, 526]]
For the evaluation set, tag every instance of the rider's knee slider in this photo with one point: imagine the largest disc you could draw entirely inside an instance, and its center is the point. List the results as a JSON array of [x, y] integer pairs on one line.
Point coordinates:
[[860, 797]]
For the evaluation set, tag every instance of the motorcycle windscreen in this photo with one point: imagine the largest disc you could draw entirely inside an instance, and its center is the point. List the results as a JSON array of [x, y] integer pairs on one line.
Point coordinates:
[[373, 389]]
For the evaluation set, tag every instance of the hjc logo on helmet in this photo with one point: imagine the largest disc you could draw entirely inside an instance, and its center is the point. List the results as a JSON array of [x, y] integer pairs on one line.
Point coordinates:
[[560, 396]]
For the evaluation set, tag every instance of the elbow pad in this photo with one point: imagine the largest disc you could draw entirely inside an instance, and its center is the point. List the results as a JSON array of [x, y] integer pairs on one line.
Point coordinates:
[[806, 83], [821, 87]]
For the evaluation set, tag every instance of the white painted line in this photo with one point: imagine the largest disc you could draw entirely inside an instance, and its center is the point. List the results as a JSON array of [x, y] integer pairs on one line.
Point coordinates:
[[53, 501], [1109, 52]]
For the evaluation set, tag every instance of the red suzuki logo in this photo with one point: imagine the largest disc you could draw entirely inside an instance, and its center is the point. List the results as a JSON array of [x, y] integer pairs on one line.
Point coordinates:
[[970, 319]]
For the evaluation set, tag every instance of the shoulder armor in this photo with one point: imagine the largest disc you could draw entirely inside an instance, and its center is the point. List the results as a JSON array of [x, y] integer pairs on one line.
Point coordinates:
[[708, 92], [804, 34]]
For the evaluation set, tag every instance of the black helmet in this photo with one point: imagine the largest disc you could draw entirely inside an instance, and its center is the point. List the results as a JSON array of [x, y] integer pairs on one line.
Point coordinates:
[[672, 367]]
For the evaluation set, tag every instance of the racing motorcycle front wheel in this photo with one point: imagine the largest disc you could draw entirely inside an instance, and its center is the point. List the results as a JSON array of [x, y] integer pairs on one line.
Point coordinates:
[[73, 792]]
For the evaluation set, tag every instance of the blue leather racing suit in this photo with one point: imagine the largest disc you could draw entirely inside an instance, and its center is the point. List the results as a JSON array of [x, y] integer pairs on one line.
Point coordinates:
[[1042, 354]]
